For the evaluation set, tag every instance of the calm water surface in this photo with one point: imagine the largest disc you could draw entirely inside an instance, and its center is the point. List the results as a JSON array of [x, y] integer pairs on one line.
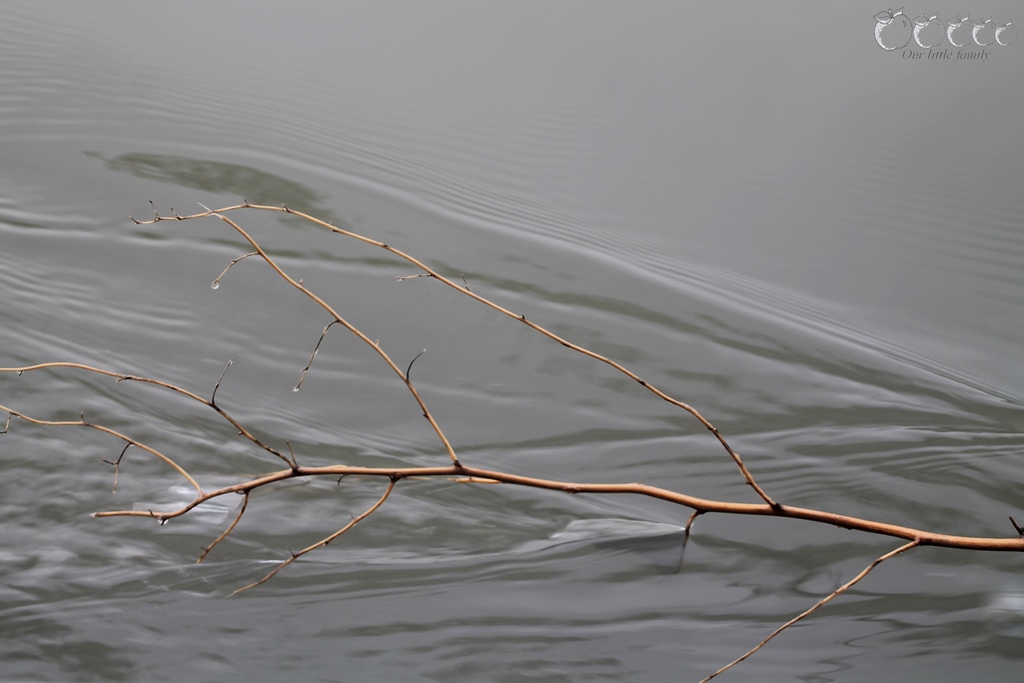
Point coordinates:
[[814, 241]]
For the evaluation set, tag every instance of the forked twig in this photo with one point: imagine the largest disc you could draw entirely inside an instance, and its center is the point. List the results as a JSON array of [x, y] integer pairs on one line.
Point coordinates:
[[116, 463]]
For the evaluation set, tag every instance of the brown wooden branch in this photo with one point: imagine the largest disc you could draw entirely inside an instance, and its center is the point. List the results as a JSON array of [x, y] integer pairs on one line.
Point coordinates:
[[458, 471], [476, 475]]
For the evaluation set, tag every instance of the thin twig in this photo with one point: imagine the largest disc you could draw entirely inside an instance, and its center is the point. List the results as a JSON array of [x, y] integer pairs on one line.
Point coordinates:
[[238, 518], [302, 377], [834, 594], [216, 283], [1016, 527], [408, 370], [107, 430], [323, 542], [213, 397]]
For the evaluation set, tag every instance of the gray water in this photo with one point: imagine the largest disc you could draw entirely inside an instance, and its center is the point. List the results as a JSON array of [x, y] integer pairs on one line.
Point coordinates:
[[814, 241]]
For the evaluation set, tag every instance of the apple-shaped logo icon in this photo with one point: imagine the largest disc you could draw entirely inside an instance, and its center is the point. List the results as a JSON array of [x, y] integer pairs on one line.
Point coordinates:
[[892, 30], [928, 31], [959, 31], [984, 32], [1006, 33]]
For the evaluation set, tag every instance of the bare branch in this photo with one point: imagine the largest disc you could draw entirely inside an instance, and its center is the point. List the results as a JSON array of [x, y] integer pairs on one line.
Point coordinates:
[[476, 475], [456, 471]]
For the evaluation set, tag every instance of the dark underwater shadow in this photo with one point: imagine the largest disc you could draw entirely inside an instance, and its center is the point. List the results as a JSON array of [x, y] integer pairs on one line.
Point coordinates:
[[244, 182]]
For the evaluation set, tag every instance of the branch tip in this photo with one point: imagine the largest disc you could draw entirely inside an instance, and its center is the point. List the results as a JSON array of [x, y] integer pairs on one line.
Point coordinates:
[[1017, 527], [409, 369], [305, 370], [213, 396], [216, 283]]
